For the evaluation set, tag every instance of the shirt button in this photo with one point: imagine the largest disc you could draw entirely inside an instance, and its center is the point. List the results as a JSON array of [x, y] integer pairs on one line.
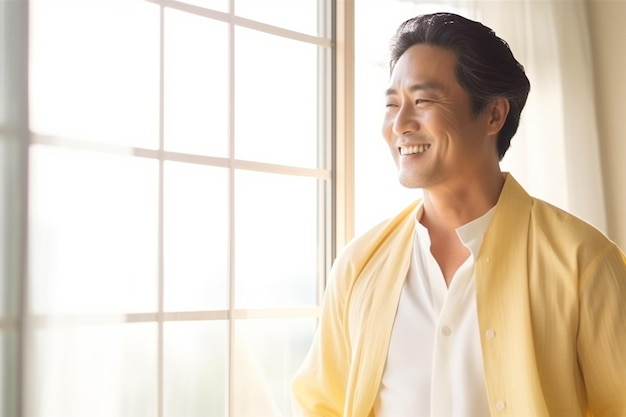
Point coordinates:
[[446, 331], [500, 405], [490, 334]]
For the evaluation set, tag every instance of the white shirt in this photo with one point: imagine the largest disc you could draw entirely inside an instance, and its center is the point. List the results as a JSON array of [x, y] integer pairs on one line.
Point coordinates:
[[434, 364]]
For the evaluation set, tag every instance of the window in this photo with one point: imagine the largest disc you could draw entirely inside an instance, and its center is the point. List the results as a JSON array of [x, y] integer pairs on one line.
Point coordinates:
[[180, 204]]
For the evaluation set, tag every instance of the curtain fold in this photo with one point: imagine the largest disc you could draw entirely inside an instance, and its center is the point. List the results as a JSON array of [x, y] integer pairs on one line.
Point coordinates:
[[556, 152]]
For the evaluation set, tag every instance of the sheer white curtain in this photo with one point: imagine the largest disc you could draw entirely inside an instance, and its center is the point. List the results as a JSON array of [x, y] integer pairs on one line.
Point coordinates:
[[555, 153]]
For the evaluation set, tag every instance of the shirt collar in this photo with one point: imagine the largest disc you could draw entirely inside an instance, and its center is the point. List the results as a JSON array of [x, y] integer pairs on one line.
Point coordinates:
[[470, 233]]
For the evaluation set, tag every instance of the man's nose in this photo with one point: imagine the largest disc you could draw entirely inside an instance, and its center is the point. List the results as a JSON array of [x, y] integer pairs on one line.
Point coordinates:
[[405, 121]]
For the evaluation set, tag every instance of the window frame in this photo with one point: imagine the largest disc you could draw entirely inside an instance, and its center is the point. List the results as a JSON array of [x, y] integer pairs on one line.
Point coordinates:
[[14, 139]]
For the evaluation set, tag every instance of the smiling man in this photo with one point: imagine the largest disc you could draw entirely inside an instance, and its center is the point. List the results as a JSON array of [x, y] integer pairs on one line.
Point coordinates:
[[478, 300]]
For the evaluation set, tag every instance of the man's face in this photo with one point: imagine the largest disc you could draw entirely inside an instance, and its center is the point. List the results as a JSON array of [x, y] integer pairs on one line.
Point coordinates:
[[434, 137]]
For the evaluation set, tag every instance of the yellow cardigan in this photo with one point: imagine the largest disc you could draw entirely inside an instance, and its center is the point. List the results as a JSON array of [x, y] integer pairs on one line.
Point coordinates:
[[551, 300]]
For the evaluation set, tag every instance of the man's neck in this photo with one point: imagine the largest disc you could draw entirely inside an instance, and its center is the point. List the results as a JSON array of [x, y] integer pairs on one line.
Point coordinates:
[[446, 209]]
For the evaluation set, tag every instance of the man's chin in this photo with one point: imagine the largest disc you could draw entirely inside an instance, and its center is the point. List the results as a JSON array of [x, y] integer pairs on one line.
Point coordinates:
[[411, 183]]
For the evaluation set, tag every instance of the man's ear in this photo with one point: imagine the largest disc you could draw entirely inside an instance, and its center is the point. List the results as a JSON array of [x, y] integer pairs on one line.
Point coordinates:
[[498, 110]]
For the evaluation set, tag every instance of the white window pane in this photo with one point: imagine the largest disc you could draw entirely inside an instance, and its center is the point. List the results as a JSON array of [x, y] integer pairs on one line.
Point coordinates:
[[276, 99], [96, 371], [94, 70], [267, 355], [275, 240], [93, 232], [195, 369], [196, 237], [219, 5], [300, 15], [196, 84]]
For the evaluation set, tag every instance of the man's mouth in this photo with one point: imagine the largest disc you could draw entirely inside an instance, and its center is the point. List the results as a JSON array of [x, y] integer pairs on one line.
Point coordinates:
[[411, 150]]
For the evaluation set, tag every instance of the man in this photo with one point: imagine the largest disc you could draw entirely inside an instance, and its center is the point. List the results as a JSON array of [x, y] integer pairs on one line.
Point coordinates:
[[478, 300]]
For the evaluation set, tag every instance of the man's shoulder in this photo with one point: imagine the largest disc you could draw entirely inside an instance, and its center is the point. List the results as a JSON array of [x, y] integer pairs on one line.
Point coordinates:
[[547, 219], [381, 238], [385, 229], [563, 232], [553, 219]]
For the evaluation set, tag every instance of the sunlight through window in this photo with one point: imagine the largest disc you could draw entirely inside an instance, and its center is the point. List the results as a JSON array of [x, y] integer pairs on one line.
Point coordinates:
[[180, 192]]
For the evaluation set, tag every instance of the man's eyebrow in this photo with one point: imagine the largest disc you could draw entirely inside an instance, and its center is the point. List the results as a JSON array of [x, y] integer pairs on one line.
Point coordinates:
[[431, 85]]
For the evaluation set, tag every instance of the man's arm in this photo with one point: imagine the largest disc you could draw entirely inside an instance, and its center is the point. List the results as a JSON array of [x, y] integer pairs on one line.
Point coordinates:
[[602, 333], [318, 389]]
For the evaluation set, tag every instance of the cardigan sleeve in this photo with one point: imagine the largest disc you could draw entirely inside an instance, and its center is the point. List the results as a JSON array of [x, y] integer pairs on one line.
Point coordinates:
[[602, 333], [328, 384], [319, 387]]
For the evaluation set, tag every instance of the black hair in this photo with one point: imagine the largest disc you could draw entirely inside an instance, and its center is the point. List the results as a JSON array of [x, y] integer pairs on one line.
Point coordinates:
[[486, 67]]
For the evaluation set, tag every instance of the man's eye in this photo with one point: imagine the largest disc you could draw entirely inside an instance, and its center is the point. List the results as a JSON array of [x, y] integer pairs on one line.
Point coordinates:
[[388, 105], [421, 101]]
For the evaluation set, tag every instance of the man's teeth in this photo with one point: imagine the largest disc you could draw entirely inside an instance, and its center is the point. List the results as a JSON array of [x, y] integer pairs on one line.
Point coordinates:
[[409, 150]]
